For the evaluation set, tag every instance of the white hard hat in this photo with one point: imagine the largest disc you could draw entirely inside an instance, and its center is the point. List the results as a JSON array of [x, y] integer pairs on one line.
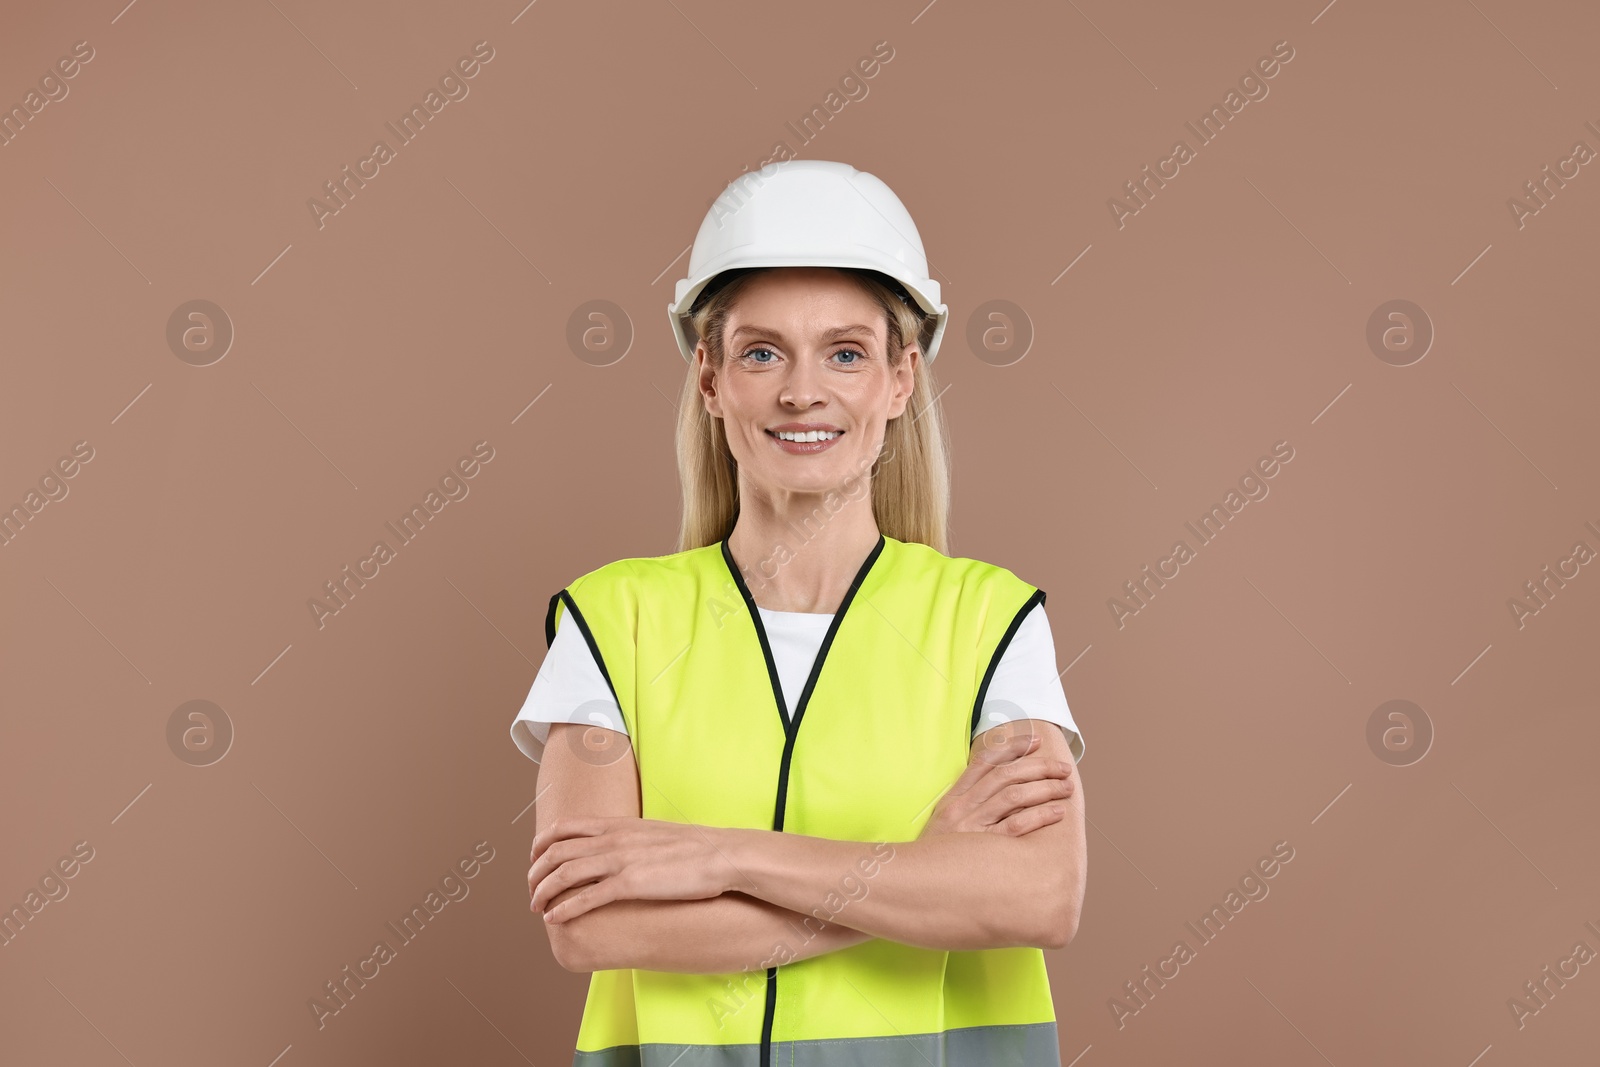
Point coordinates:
[[808, 213]]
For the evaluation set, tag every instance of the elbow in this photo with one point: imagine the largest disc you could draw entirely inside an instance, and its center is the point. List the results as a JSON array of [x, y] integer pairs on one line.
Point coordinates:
[[570, 948], [1060, 929], [1051, 922], [1060, 919]]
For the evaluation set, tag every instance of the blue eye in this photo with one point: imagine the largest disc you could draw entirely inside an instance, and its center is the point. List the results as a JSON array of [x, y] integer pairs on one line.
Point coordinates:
[[750, 354]]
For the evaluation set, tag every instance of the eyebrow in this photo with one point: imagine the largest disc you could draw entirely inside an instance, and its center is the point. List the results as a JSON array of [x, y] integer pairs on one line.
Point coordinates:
[[836, 332]]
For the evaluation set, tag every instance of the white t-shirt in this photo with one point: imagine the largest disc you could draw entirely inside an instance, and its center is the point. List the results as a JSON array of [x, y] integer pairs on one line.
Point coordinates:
[[570, 688]]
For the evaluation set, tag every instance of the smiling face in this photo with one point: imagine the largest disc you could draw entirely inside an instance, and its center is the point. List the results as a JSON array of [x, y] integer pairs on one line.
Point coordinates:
[[805, 351]]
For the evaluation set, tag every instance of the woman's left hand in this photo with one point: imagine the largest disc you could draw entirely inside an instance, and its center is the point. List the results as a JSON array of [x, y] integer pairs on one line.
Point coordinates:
[[626, 858]]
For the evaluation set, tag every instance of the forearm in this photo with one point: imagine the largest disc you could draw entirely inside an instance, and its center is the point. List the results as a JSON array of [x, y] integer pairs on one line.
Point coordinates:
[[719, 935], [953, 891]]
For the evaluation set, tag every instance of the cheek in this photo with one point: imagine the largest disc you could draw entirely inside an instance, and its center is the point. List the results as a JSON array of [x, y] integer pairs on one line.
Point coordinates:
[[745, 436], [744, 410]]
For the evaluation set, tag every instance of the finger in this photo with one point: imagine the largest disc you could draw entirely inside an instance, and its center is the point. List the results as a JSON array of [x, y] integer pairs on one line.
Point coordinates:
[[1014, 798], [1033, 768], [1036, 768], [540, 869], [985, 758], [572, 873], [561, 852], [553, 901], [1004, 743], [980, 765], [568, 828], [1017, 772], [586, 899], [999, 747], [554, 911], [1031, 819], [991, 750], [562, 829], [586, 896], [539, 873]]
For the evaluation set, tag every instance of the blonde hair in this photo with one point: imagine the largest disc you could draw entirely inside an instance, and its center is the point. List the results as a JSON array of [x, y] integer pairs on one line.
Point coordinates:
[[910, 478]]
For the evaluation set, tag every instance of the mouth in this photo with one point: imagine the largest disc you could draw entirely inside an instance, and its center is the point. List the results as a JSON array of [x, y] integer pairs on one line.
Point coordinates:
[[804, 444]]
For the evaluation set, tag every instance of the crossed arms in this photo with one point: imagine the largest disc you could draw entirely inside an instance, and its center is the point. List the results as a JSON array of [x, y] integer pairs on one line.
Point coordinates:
[[621, 891]]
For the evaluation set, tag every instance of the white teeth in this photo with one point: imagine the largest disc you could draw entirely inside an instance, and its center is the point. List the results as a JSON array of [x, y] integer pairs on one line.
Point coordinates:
[[808, 436]]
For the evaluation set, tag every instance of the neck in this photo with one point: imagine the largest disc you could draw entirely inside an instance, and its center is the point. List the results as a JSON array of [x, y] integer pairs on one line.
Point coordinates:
[[797, 556]]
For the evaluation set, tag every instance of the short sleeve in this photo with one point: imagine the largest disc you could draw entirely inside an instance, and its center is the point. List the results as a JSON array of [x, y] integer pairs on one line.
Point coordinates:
[[568, 688], [1026, 684]]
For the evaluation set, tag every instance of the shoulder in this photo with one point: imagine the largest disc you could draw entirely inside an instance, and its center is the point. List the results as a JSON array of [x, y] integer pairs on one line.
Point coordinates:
[[922, 560], [667, 570], [608, 598]]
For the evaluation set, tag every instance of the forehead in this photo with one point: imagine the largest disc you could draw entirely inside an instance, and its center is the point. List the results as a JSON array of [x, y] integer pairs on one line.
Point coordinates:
[[804, 299]]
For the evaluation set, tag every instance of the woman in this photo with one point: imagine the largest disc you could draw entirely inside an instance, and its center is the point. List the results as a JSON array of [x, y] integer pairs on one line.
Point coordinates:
[[807, 785]]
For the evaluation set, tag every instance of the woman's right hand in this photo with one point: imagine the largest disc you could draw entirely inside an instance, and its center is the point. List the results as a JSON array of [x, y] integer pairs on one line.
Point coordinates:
[[1005, 790]]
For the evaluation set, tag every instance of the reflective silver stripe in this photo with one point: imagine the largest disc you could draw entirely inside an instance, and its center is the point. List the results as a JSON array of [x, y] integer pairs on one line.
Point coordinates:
[[1032, 1045]]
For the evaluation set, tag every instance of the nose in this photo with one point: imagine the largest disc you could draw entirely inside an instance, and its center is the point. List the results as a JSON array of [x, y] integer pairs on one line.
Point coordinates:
[[802, 383]]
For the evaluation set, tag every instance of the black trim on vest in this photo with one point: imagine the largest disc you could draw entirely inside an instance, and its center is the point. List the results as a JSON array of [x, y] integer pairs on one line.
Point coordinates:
[[550, 622], [583, 628], [791, 726], [1005, 641]]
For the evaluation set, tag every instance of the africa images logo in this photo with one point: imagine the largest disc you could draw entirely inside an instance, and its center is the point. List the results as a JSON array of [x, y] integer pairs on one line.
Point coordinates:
[[1253, 84], [452, 83], [1253, 484]]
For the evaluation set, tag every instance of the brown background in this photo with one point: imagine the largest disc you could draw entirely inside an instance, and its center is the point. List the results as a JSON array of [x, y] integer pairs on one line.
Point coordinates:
[[370, 354]]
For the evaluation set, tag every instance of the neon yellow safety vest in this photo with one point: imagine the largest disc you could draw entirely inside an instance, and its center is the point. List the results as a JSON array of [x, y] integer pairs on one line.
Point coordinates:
[[883, 727]]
